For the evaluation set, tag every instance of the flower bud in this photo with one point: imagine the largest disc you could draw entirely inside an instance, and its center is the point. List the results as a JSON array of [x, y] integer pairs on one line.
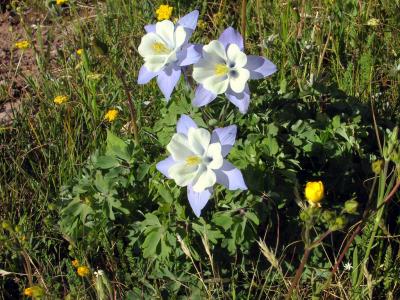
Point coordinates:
[[304, 216], [328, 216], [351, 206], [339, 224], [314, 192], [377, 166], [6, 225]]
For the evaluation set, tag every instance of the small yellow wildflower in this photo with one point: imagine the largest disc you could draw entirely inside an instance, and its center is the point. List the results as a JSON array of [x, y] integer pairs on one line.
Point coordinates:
[[79, 52], [61, 2], [22, 45], [34, 291], [60, 99], [164, 12], [314, 192], [111, 115], [373, 22], [201, 25], [75, 263], [83, 271]]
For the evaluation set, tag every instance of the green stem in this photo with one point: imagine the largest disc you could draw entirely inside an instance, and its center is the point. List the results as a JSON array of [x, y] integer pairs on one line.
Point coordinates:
[[378, 217]]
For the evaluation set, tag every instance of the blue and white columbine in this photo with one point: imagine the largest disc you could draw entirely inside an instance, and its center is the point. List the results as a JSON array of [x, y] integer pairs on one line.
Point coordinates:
[[166, 50], [225, 68], [197, 161]]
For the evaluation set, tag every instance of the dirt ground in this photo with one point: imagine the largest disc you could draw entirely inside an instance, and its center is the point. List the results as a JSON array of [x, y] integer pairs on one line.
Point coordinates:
[[14, 64]]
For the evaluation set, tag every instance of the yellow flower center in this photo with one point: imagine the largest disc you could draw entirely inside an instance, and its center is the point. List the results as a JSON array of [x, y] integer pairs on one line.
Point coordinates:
[[160, 48], [221, 69], [193, 160]]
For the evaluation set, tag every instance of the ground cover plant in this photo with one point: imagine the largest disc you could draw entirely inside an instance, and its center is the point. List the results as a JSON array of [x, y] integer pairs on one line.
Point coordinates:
[[200, 149]]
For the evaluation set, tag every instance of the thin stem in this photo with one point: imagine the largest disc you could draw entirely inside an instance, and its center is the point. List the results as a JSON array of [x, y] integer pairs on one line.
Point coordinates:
[[132, 109], [244, 5], [299, 271], [358, 228], [303, 262]]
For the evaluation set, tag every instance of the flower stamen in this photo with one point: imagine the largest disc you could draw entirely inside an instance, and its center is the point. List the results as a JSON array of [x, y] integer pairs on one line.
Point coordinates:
[[193, 160], [160, 48], [221, 69]]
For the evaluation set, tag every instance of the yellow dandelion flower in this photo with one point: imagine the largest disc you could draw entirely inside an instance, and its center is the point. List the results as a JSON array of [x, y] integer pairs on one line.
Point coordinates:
[[75, 263], [79, 52], [314, 192], [164, 12], [60, 99], [61, 2], [111, 115], [34, 291], [83, 271], [22, 45]]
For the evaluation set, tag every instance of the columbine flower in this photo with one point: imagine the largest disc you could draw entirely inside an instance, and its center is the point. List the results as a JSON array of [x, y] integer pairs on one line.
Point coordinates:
[[83, 271], [197, 161], [34, 291], [164, 12], [22, 45], [314, 192], [60, 99], [225, 68], [111, 115], [166, 50], [61, 2]]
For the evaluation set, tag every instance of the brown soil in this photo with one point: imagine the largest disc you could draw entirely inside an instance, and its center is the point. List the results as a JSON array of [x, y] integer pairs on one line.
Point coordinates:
[[15, 64]]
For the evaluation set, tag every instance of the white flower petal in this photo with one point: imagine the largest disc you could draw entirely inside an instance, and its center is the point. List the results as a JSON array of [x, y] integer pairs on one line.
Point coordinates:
[[198, 139], [214, 157], [236, 58], [215, 51], [204, 179], [238, 79], [146, 47], [178, 147], [155, 63], [216, 84], [202, 71], [165, 30], [182, 173], [180, 36]]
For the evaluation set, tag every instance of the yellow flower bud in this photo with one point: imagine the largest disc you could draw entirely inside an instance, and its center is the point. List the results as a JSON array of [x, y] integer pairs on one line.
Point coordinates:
[[75, 263], [314, 192], [34, 291], [377, 166]]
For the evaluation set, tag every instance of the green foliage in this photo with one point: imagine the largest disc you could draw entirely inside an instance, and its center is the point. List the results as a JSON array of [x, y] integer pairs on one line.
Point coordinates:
[[115, 212]]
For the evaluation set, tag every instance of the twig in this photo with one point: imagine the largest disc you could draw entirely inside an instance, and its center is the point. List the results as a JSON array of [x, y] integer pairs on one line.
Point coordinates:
[[244, 5], [131, 107], [303, 262]]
